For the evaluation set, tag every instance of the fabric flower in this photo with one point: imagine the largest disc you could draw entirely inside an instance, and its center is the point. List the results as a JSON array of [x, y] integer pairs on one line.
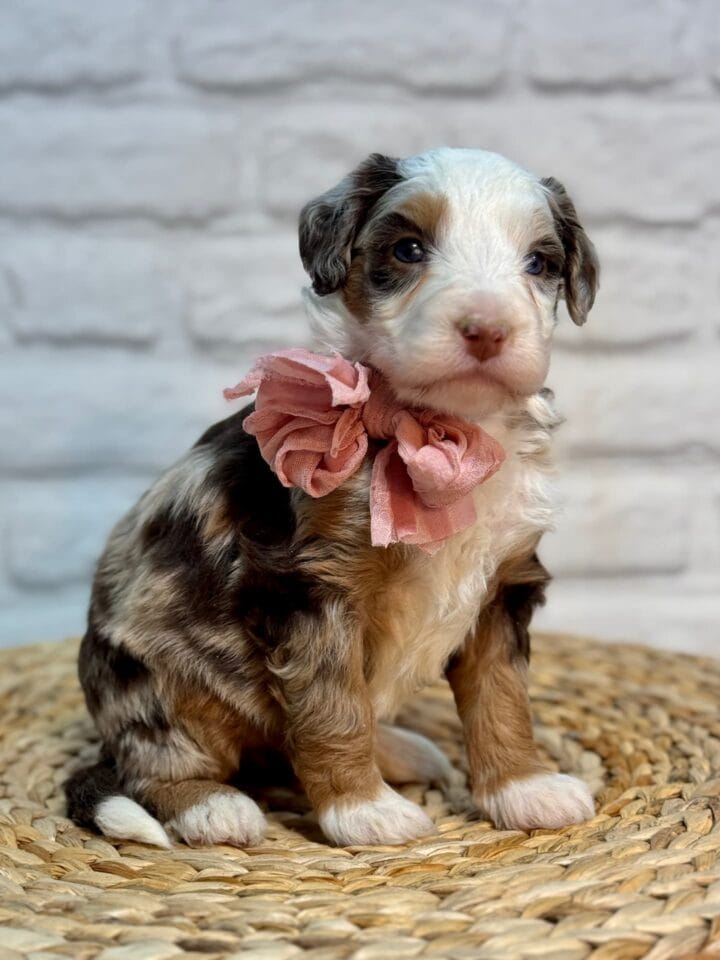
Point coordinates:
[[313, 416], [423, 478], [307, 417]]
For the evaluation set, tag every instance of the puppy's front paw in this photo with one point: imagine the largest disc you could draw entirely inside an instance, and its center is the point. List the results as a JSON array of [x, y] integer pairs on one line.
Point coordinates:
[[388, 819], [550, 800], [222, 817]]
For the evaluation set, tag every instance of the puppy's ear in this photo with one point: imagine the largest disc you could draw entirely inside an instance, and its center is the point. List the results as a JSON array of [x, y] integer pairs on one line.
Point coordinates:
[[582, 270], [329, 224]]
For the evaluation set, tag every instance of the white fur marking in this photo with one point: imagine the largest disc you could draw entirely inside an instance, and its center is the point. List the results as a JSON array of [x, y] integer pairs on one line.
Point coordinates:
[[449, 588], [230, 818], [123, 818], [389, 819], [550, 800]]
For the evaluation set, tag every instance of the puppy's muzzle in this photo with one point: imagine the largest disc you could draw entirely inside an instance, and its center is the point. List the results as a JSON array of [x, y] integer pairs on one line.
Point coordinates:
[[483, 341]]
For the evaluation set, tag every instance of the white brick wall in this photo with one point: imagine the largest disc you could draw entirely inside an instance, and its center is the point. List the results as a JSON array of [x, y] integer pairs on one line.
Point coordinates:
[[153, 157]]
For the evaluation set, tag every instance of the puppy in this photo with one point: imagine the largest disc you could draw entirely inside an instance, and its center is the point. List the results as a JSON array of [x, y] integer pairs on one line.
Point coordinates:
[[231, 612]]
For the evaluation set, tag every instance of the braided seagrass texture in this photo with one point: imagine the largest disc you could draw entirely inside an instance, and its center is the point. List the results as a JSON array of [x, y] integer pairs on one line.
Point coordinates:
[[642, 879]]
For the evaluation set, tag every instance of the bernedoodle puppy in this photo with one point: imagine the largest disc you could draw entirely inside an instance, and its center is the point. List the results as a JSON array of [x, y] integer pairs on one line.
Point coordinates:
[[368, 525]]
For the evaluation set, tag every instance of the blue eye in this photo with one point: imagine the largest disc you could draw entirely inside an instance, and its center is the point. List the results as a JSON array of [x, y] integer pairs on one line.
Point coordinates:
[[409, 250], [535, 264]]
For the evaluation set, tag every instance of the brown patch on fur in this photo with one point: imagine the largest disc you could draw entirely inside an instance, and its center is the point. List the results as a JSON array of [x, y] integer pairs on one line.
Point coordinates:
[[355, 293], [217, 729], [218, 524], [371, 580], [168, 800], [488, 679], [339, 770], [374, 271], [427, 211], [341, 517]]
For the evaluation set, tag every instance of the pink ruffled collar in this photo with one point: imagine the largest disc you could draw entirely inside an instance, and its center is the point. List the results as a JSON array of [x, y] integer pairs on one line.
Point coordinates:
[[312, 420]]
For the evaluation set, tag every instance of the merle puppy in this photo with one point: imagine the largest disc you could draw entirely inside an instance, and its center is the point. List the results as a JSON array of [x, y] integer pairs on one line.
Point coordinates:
[[230, 612]]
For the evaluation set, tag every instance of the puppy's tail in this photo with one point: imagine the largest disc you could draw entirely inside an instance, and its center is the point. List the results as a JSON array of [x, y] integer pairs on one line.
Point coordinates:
[[95, 800]]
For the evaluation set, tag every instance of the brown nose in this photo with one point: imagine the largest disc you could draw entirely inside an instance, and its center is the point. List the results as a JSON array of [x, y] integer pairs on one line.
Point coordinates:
[[483, 342]]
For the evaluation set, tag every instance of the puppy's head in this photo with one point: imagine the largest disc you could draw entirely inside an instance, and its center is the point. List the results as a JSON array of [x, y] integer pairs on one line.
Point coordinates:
[[444, 271]]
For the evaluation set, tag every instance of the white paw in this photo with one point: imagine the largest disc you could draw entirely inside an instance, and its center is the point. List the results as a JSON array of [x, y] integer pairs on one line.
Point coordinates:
[[223, 817], [389, 819], [550, 800]]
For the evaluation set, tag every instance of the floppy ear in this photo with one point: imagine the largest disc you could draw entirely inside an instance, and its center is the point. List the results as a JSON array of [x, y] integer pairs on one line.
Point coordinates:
[[582, 270], [329, 224]]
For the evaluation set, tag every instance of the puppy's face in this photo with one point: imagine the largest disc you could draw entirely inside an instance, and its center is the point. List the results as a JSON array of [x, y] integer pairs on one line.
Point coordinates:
[[444, 271]]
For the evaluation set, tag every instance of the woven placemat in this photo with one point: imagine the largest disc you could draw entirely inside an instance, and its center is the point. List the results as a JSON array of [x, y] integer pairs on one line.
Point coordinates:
[[640, 880]]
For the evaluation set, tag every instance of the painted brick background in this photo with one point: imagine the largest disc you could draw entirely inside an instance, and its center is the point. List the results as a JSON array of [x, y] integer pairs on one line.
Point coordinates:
[[153, 158]]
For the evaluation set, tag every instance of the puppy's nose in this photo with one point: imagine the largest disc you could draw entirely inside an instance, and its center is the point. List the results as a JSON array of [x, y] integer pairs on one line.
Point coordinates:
[[481, 341]]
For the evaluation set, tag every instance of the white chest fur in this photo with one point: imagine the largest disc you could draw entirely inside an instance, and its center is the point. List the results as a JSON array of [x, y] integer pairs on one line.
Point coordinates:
[[439, 598]]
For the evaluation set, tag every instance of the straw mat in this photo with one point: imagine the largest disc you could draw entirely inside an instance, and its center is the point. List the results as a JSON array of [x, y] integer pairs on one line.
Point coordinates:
[[642, 879]]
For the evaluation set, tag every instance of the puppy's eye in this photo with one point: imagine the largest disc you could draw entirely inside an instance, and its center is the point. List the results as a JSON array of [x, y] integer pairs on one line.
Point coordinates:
[[409, 250], [535, 264]]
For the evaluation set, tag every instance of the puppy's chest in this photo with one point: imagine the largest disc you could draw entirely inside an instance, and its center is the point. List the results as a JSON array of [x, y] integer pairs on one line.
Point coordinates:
[[427, 613]]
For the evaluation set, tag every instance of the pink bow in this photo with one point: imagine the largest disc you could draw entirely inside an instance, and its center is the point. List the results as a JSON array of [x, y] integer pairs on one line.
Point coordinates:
[[313, 416]]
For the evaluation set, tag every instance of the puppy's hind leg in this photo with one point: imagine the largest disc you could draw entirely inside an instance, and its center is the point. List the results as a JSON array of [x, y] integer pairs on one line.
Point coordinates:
[[181, 776], [404, 756], [169, 750], [151, 792], [205, 812]]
